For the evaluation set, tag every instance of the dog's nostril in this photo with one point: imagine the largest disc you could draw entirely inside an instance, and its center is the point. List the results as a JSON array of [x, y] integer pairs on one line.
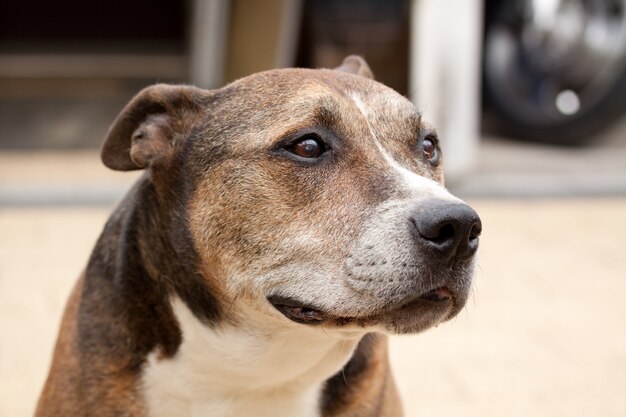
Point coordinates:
[[475, 232], [444, 234]]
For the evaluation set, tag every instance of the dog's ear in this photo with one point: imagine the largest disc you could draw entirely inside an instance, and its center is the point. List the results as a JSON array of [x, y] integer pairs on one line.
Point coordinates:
[[354, 64], [145, 129]]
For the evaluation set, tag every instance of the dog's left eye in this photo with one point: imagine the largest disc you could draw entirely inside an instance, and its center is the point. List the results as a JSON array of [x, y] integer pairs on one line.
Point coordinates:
[[309, 147], [429, 149]]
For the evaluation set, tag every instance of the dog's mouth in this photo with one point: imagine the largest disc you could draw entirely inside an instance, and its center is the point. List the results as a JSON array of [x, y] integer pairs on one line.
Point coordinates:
[[441, 298]]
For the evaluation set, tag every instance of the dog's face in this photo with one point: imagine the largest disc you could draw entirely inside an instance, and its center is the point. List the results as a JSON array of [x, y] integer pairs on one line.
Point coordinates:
[[312, 197]]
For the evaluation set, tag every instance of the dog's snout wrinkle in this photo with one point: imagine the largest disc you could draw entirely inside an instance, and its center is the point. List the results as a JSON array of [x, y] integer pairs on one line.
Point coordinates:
[[451, 230]]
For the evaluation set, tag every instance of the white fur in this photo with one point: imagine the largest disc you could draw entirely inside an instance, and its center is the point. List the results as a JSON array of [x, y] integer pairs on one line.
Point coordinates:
[[254, 369], [422, 186]]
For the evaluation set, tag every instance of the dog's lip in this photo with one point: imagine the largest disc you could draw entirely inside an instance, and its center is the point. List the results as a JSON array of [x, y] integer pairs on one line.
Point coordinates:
[[303, 313], [297, 311], [438, 295]]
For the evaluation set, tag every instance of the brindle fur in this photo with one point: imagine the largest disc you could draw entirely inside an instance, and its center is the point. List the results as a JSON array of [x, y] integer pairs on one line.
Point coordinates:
[[217, 198]]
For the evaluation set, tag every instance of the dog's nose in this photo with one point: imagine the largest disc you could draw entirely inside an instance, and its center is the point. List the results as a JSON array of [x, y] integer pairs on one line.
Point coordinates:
[[449, 229]]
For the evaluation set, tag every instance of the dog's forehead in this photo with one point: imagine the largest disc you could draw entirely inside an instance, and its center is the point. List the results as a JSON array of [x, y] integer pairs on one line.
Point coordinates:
[[296, 85], [273, 102]]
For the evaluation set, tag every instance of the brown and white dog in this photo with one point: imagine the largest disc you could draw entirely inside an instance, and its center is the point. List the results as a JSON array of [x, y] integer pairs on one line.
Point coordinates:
[[284, 224]]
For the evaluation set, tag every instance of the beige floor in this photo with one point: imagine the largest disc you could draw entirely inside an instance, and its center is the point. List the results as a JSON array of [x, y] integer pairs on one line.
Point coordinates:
[[543, 335]]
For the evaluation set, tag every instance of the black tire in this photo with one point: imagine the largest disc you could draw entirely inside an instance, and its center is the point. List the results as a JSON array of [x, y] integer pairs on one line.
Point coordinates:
[[515, 84]]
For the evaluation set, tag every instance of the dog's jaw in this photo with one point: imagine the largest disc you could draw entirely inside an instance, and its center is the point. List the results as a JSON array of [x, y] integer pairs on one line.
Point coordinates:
[[254, 368]]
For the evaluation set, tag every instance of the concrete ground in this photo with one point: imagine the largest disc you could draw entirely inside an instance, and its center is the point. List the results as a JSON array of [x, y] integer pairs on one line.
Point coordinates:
[[543, 335]]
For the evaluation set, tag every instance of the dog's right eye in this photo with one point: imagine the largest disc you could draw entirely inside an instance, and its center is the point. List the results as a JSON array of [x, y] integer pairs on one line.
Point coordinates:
[[309, 147]]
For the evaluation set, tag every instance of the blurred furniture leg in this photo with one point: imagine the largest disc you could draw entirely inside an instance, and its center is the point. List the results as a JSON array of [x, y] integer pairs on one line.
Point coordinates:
[[445, 49], [208, 39], [263, 35]]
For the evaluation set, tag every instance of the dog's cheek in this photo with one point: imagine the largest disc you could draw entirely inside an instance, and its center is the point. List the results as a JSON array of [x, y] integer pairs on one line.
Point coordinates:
[[252, 217], [230, 227]]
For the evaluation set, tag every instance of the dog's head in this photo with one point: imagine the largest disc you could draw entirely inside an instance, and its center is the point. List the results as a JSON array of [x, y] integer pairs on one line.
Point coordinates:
[[312, 197]]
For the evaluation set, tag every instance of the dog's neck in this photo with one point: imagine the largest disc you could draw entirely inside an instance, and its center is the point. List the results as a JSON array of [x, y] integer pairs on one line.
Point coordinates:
[[244, 370]]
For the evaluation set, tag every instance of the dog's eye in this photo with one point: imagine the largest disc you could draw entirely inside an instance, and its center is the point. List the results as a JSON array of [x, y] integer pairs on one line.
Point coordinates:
[[309, 147], [429, 148]]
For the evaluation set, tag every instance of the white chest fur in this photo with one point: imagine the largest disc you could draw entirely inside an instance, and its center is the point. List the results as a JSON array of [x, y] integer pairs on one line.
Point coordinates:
[[252, 370]]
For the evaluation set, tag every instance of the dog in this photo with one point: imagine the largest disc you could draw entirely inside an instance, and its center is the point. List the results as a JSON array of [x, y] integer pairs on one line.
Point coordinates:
[[284, 225]]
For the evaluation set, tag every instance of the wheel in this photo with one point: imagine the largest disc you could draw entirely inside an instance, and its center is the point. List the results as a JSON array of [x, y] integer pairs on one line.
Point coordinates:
[[555, 70]]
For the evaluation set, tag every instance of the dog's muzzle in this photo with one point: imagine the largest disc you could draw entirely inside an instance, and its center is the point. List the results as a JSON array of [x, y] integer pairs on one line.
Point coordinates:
[[411, 268]]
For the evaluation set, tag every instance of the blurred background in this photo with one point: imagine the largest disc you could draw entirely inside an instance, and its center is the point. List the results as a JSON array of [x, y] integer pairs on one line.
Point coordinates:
[[529, 97]]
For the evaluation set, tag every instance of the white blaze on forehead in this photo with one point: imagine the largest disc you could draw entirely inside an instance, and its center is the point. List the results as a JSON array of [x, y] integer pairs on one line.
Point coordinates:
[[387, 101], [424, 187], [361, 106]]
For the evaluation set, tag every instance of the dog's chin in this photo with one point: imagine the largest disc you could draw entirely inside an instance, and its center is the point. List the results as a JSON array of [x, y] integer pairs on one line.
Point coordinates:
[[412, 316]]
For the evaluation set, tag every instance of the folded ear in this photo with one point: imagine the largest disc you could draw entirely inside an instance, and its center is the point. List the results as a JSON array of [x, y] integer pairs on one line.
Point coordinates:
[[354, 64], [145, 129]]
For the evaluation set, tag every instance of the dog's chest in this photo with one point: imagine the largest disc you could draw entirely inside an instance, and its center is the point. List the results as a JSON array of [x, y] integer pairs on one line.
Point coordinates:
[[172, 397], [179, 390], [238, 373]]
